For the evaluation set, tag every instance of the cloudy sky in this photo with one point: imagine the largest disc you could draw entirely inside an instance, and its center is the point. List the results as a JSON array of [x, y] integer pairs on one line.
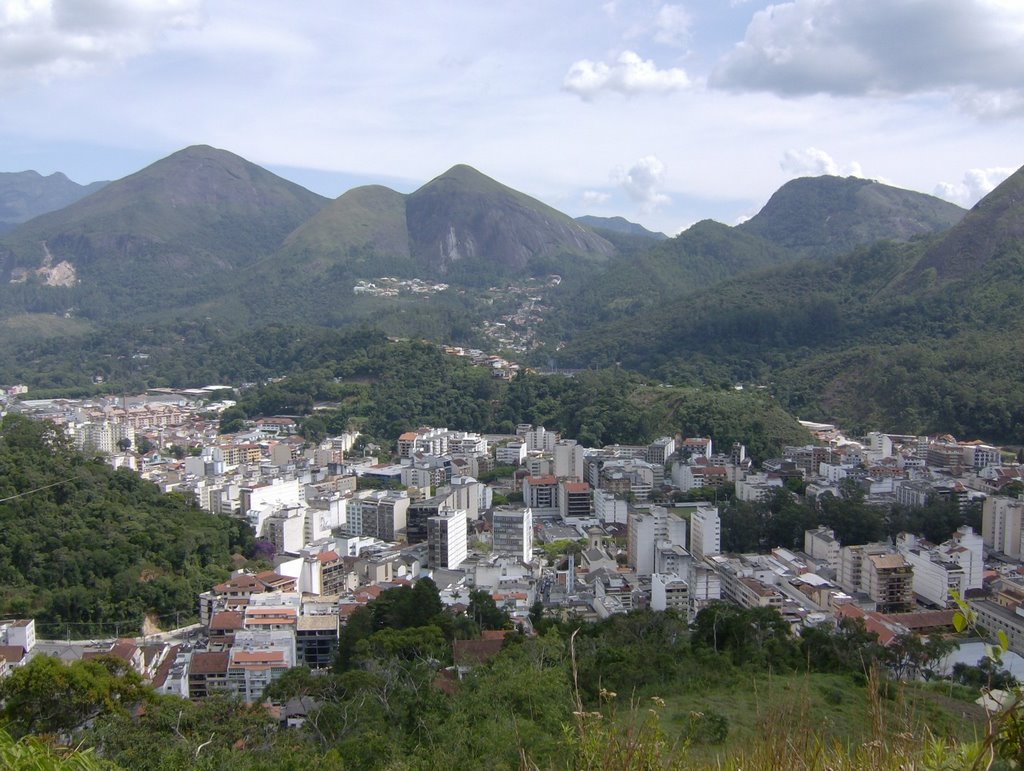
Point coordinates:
[[664, 113]]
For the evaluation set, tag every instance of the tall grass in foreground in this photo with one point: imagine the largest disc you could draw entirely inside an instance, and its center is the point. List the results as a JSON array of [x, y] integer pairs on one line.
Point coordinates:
[[788, 740]]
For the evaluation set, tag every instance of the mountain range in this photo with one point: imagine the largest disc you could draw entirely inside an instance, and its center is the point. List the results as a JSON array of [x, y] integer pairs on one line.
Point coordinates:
[[847, 297], [203, 227], [27, 194], [919, 336]]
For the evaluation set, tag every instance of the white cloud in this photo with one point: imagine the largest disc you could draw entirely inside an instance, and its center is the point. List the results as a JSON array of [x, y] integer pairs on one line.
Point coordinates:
[[50, 38], [812, 162], [595, 197], [976, 184], [990, 104], [868, 48], [672, 25], [628, 74], [642, 182]]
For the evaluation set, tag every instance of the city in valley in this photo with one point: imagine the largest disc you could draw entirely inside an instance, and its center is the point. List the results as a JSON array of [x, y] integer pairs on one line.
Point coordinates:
[[544, 526]]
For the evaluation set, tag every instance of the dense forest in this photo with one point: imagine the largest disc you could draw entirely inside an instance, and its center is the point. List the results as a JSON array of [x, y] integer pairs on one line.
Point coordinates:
[[409, 384], [864, 339], [89, 550]]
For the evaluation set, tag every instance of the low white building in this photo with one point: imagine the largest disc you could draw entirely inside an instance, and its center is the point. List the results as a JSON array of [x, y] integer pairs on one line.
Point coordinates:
[[669, 591], [821, 544], [609, 508]]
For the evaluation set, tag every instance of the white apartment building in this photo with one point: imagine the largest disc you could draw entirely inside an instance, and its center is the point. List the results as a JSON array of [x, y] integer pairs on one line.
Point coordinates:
[[568, 459], [1001, 525], [103, 436], [821, 544], [377, 514], [650, 531], [757, 487], [705, 587], [257, 659], [935, 576], [705, 531], [660, 450], [669, 592], [447, 545], [511, 454], [609, 508], [967, 550], [539, 439]]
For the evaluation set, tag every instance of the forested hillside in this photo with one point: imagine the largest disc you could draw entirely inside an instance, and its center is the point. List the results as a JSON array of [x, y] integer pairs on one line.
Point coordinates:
[[841, 340], [89, 550]]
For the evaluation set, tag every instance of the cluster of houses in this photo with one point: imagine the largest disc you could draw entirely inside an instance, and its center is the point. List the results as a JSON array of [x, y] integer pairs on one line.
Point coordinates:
[[388, 286]]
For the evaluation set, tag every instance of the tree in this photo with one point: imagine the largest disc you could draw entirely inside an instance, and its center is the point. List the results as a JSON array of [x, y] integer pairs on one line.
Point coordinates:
[[48, 696], [413, 644], [31, 753], [905, 655], [850, 647], [359, 626], [750, 635], [313, 429], [485, 611]]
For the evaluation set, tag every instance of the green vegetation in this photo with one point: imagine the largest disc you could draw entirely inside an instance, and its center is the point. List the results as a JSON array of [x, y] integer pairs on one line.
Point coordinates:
[[163, 238], [387, 387], [867, 338], [32, 753], [849, 343], [47, 696], [89, 550], [414, 384], [635, 691], [782, 519], [646, 280]]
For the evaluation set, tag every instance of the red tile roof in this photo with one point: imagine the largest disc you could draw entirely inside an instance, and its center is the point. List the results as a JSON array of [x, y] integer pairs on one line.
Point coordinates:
[[257, 659], [226, 621], [494, 634], [209, 663], [13, 653], [124, 649]]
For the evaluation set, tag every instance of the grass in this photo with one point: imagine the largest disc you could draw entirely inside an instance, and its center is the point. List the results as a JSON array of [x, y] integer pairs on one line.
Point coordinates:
[[814, 716], [25, 326]]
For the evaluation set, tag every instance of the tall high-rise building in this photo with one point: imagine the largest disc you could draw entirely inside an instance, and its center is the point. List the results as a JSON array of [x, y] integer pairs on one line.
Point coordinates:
[[705, 532], [512, 533], [650, 531], [568, 460], [447, 545], [1001, 520]]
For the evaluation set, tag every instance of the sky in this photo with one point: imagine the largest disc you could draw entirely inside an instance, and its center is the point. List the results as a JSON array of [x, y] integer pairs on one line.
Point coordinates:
[[665, 113]]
